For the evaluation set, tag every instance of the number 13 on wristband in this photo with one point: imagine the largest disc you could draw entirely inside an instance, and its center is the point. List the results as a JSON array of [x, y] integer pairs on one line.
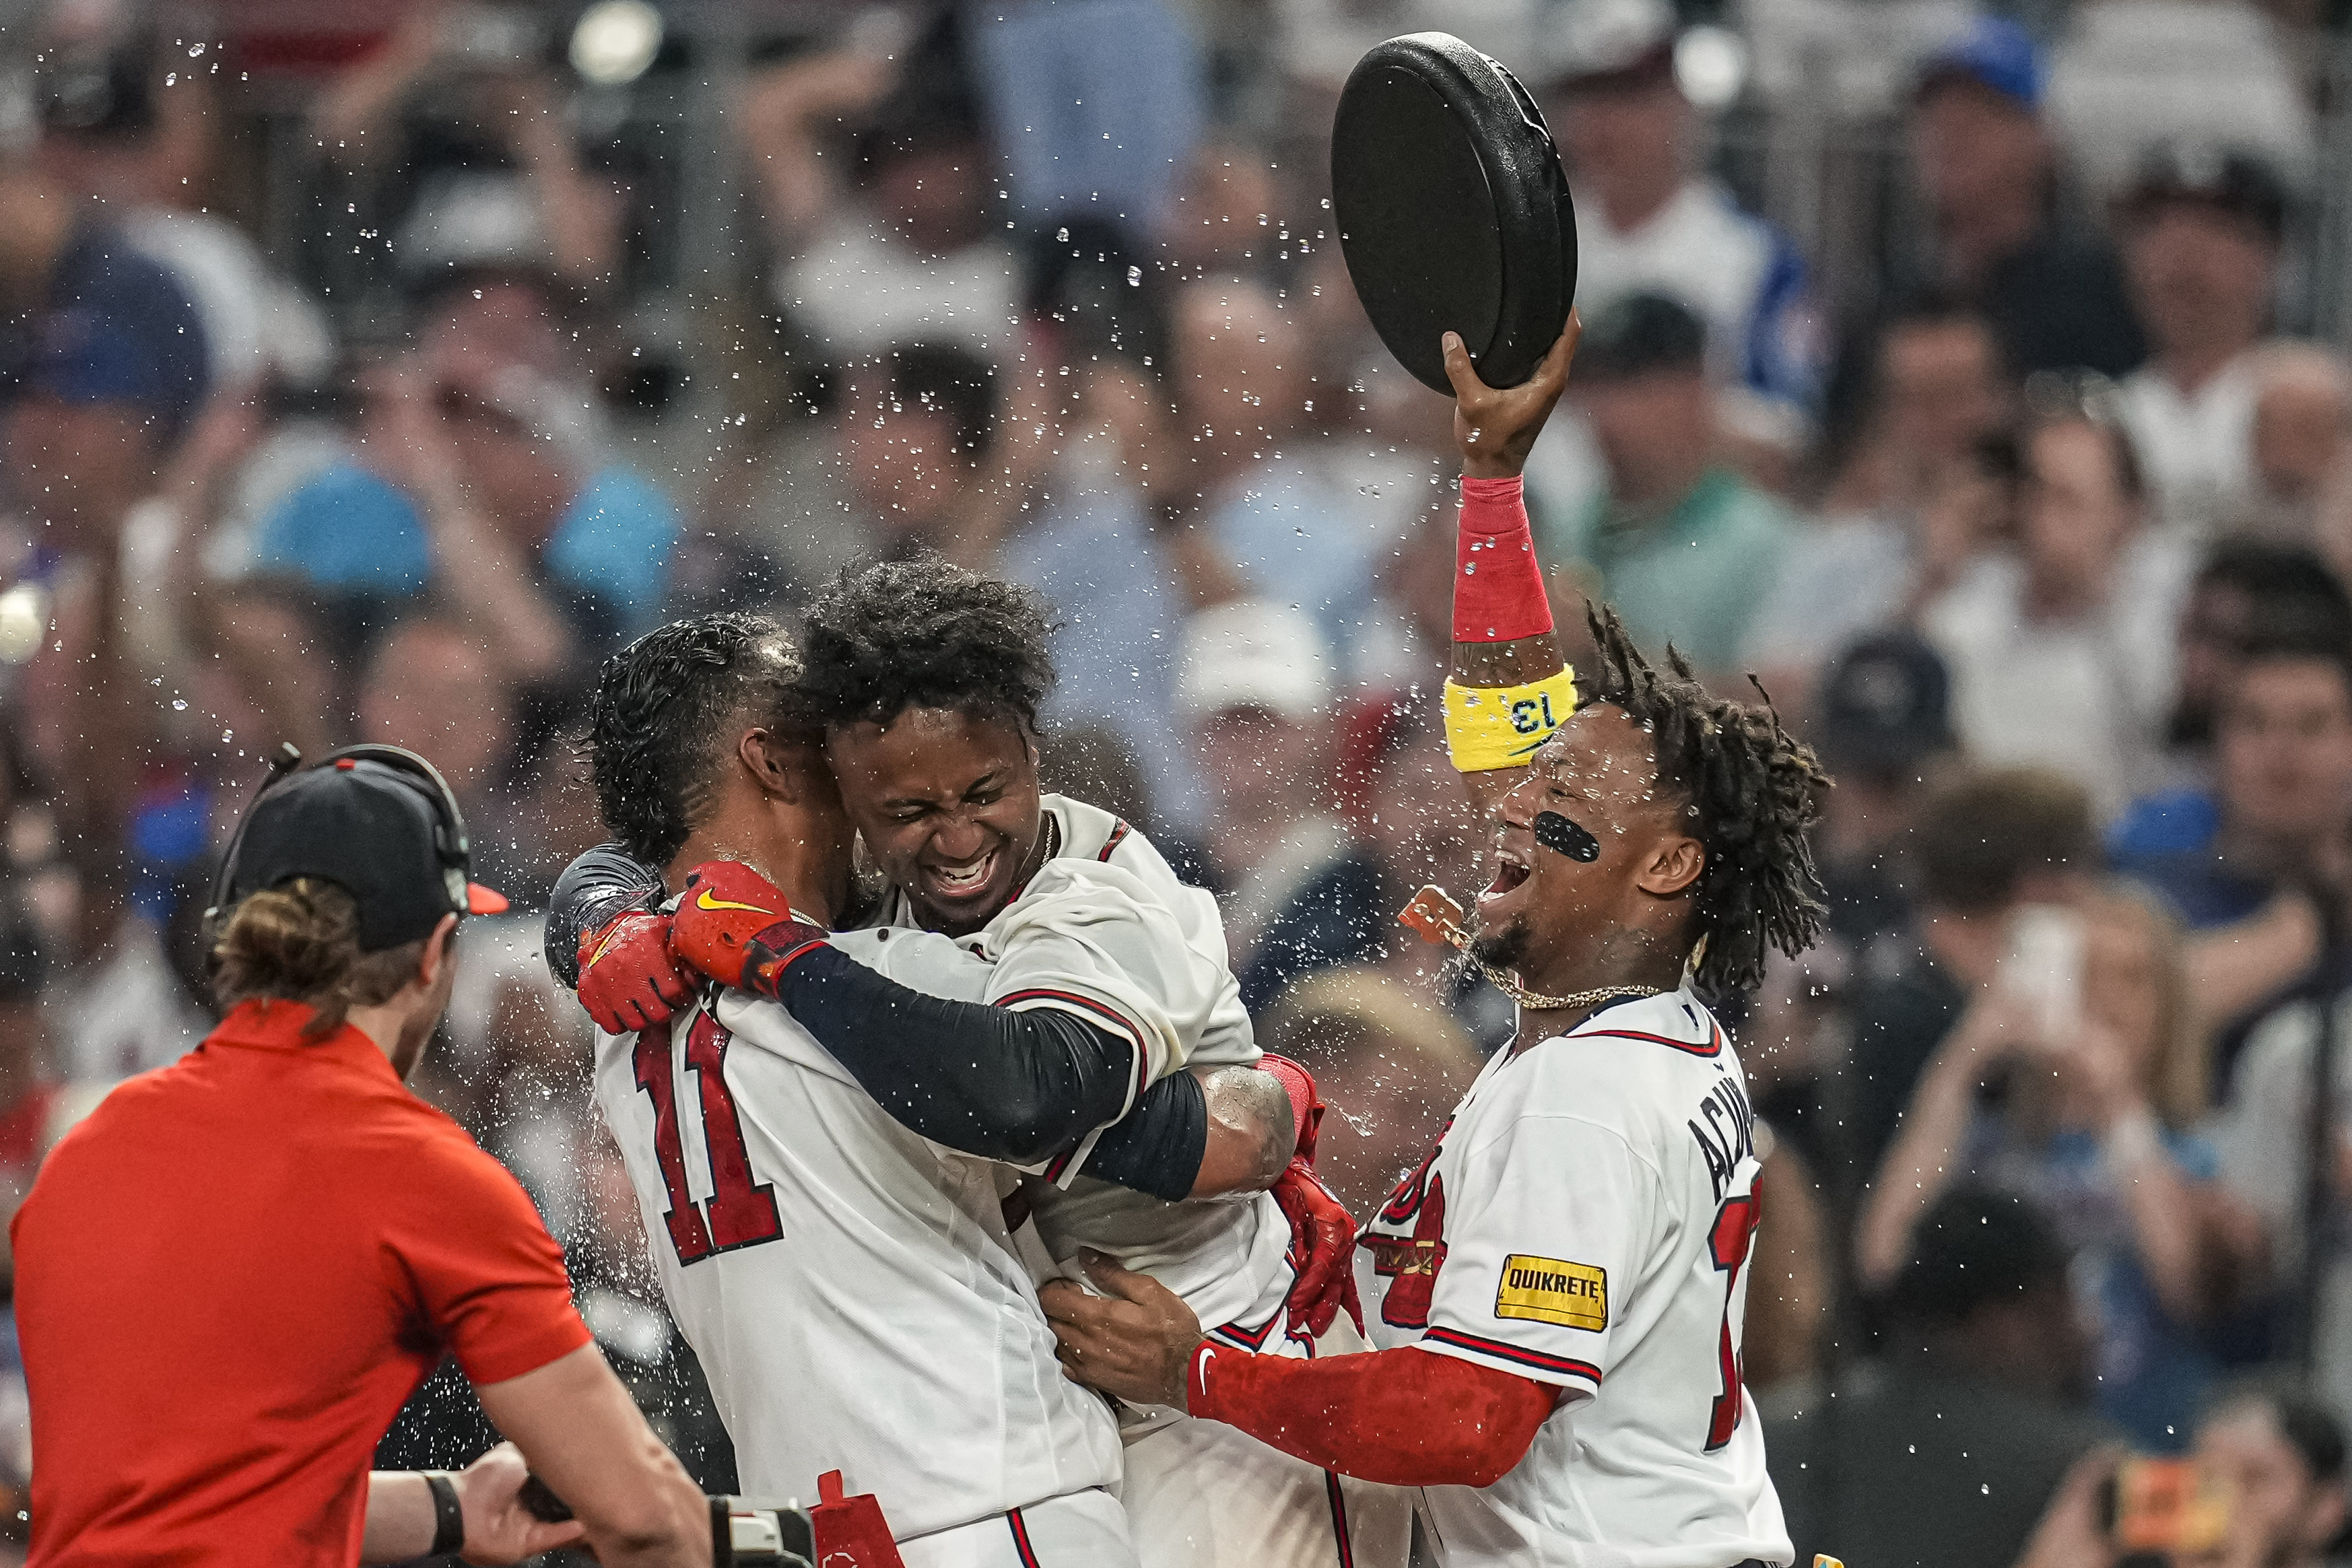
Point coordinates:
[[1488, 727]]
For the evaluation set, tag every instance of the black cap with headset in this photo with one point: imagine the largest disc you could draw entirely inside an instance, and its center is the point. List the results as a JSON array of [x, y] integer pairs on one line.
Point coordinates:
[[378, 821]]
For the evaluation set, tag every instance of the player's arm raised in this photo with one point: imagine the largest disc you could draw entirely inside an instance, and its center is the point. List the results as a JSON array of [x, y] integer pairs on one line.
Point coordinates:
[[1508, 686]]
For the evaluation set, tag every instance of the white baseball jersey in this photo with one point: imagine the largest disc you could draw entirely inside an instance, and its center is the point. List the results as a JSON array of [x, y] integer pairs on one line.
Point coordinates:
[[1227, 1257], [851, 1286], [1584, 1221]]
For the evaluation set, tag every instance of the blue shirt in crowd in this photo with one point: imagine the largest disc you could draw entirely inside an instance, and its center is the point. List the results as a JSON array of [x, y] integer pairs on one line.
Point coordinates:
[[2153, 1374], [2167, 841], [351, 531]]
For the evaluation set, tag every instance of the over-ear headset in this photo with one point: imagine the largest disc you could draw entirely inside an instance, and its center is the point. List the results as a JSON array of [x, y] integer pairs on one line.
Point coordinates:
[[450, 845]]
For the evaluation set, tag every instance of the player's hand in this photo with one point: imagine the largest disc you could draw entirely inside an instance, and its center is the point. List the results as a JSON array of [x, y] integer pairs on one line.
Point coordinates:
[[629, 979], [1132, 1342], [734, 926], [1496, 428], [1322, 1250], [498, 1529]]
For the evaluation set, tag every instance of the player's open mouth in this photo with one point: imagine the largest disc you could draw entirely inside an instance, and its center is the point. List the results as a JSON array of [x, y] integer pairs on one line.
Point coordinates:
[[1510, 871], [962, 881]]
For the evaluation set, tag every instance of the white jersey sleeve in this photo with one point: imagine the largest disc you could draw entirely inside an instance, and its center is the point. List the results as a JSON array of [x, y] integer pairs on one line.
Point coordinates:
[[1543, 1221], [1091, 835], [1091, 939]]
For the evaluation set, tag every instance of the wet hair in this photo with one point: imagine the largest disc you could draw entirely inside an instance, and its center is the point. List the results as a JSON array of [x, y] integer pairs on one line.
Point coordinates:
[[299, 941], [1981, 834], [661, 707], [1754, 791], [926, 634]]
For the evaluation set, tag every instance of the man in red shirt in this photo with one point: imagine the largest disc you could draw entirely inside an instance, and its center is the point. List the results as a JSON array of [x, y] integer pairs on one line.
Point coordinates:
[[231, 1276]]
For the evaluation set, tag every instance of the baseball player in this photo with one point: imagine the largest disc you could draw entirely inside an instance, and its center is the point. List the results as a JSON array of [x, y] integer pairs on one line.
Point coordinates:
[[929, 678], [853, 1287], [1562, 1279]]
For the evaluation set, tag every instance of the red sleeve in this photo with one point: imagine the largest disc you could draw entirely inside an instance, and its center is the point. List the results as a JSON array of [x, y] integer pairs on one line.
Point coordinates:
[[1401, 1417], [490, 1279]]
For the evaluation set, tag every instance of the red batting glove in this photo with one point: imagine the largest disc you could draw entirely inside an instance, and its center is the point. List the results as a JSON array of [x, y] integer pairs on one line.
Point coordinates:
[[1322, 1248], [735, 927], [628, 981], [1322, 1233]]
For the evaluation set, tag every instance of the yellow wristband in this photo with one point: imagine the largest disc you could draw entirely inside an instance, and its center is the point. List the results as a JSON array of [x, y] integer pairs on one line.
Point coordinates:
[[1500, 727]]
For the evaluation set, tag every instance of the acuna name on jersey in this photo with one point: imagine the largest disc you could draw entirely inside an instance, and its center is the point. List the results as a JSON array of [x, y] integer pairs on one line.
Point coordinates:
[[1732, 1138]]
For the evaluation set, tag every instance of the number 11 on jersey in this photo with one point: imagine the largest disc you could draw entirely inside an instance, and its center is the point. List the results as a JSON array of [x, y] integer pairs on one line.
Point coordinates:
[[740, 1212]]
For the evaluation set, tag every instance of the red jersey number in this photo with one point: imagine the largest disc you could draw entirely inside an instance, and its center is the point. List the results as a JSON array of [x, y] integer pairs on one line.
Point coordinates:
[[1734, 1232], [740, 1212]]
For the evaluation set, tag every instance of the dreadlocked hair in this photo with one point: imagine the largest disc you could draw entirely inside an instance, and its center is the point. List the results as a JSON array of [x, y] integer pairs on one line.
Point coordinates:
[[657, 716], [1754, 792], [925, 632]]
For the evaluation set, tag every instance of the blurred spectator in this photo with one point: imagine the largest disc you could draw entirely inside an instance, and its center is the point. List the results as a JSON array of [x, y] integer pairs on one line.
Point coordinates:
[[886, 233], [119, 128], [36, 1103], [1984, 844], [1390, 1066], [435, 686], [2263, 1133], [2247, 591], [2201, 228], [2247, 866], [1254, 685], [462, 157], [2281, 1454], [2004, 233], [484, 486], [1972, 1419], [1252, 464], [1685, 548], [1071, 143], [1913, 504], [1883, 727], [2302, 422], [1645, 222], [2083, 1098], [2062, 653], [2281, 808], [85, 307]]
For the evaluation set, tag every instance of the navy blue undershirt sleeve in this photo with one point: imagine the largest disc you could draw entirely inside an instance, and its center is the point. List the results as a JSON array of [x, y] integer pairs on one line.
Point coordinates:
[[1021, 1087], [1157, 1146]]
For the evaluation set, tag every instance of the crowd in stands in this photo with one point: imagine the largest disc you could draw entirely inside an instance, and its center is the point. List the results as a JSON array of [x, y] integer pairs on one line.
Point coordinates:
[[2042, 541]]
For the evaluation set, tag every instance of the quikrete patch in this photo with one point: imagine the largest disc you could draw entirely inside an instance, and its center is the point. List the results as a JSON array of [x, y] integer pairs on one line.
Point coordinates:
[[1548, 1290]]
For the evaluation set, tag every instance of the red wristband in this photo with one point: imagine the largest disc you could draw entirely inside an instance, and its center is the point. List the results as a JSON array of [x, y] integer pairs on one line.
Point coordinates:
[[1498, 589]]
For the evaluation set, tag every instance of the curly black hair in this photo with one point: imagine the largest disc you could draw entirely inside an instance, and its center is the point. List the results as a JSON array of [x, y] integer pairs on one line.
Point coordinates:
[[659, 711], [925, 632], [1755, 792]]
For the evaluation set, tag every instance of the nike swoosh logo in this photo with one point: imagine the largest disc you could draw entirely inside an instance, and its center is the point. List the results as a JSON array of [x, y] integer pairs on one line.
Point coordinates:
[[706, 902]]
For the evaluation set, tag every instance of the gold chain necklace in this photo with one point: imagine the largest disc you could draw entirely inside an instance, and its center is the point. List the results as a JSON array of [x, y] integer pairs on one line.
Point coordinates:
[[1437, 918]]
